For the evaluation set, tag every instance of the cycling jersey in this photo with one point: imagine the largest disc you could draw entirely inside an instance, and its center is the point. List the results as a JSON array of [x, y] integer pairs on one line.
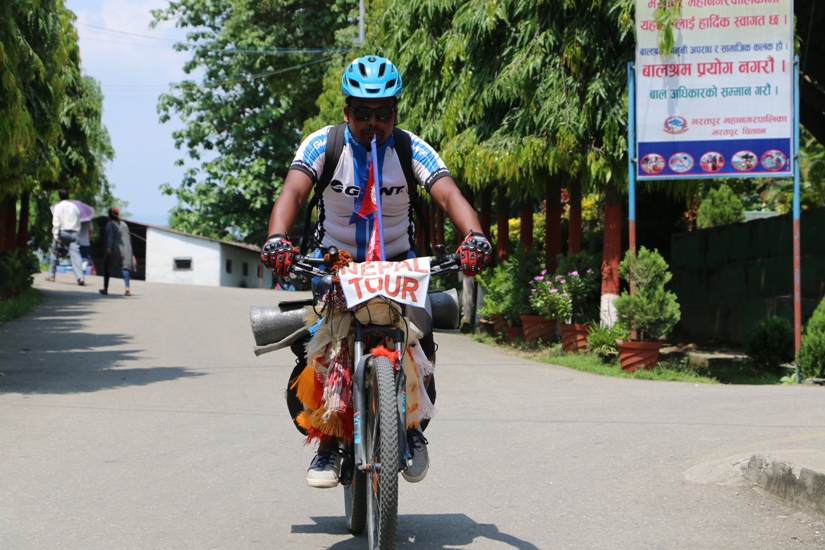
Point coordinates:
[[335, 206]]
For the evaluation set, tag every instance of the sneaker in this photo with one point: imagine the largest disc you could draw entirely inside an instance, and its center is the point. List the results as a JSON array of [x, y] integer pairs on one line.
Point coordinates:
[[103, 291], [324, 469], [419, 462]]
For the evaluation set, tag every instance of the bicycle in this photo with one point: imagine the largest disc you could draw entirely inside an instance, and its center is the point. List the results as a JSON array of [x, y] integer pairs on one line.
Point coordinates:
[[378, 450]]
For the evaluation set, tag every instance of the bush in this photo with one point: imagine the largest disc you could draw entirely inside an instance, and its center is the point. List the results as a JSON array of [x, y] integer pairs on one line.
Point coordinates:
[[720, 207], [770, 343], [16, 271], [812, 350], [507, 286], [602, 340], [651, 310]]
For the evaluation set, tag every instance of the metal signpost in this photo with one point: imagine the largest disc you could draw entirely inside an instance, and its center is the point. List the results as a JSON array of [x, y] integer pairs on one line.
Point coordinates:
[[723, 103]]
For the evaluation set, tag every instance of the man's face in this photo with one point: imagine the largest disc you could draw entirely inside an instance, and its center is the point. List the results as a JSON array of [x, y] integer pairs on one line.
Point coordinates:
[[364, 130]]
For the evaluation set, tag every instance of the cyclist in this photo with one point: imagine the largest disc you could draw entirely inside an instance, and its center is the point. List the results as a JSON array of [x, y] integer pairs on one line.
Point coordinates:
[[371, 86]]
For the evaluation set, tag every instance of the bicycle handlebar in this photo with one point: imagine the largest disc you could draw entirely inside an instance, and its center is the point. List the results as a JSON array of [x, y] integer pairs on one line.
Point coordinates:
[[440, 264]]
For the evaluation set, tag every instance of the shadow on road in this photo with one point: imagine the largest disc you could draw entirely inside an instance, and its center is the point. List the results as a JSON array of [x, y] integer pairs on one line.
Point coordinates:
[[47, 352], [430, 531]]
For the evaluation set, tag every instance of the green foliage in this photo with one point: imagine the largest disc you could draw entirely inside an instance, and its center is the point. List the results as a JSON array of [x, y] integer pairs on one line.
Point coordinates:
[[19, 304], [770, 343], [566, 296], [507, 286], [16, 272], [650, 310], [583, 283], [721, 207], [601, 340], [513, 91], [812, 350], [243, 124], [549, 297]]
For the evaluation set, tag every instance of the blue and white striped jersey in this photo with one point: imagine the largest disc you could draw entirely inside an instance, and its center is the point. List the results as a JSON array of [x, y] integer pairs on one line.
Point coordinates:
[[336, 204]]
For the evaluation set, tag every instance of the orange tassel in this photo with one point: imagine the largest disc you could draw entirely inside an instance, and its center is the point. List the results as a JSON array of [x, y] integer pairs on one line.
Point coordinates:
[[306, 391]]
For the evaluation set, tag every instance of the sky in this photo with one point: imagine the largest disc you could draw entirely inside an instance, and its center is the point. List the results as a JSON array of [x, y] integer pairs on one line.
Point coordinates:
[[134, 65]]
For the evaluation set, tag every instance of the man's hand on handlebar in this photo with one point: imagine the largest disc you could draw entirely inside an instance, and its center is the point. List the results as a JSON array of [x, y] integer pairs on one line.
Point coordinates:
[[475, 253], [278, 254]]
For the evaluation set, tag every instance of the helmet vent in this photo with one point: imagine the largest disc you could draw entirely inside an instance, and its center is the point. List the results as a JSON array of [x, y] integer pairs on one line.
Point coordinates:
[[372, 90], [354, 83], [363, 70], [382, 70], [390, 83]]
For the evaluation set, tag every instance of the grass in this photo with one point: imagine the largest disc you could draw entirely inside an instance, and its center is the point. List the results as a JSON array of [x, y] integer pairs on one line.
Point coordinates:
[[19, 305], [674, 367]]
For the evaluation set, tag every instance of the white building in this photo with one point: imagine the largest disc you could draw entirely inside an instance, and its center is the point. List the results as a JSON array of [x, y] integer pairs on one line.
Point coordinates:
[[180, 258]]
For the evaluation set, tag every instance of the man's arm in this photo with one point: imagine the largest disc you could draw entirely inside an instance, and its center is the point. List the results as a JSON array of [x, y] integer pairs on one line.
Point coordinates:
[[448, 197], [57, 221], [296, 190]]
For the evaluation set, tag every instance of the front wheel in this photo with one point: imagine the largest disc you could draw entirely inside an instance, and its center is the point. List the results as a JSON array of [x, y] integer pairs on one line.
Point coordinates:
[[355, 502], [381, 446]]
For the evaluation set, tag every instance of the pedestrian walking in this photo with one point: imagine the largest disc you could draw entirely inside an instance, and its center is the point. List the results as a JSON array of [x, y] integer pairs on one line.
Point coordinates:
[[118, 251], [84, 239], [65, 228]]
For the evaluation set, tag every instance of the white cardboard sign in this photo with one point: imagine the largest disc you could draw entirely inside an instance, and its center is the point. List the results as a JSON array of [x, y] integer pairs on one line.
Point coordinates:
[[406, 282]]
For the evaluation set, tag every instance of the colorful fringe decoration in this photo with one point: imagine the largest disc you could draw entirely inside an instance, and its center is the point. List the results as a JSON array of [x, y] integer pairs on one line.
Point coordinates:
[[338, 388], [325, 385]]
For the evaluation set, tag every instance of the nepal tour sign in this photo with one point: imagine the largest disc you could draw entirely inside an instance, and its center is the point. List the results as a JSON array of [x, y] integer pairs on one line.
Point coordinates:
[[721, 102], [406, 282]]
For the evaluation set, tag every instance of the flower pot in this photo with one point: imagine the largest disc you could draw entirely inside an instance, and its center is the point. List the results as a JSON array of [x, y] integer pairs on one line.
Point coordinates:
[[574, 337], [538, 327], [637, 355], [511, 333], [499, 322]]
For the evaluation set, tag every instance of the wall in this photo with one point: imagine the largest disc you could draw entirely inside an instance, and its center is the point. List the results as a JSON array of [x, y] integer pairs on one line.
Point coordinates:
[[239, 256], [162, 247], [729, 278]]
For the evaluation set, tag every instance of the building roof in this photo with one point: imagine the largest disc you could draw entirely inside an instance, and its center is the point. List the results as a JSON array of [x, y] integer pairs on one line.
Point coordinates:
[[244, 246]]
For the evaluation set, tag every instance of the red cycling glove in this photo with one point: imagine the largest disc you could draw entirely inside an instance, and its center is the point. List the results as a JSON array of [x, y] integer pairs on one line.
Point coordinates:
[[278, 254], [475, 253]]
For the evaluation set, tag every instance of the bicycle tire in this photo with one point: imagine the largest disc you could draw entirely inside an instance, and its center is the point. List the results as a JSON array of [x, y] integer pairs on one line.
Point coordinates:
[[355, 502], [381, 440]]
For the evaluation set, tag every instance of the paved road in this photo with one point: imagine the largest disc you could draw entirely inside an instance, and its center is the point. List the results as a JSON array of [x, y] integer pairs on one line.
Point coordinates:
[[146, 422]]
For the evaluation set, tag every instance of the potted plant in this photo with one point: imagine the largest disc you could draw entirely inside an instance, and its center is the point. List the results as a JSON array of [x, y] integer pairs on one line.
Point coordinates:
[[496, 287], [648, 312], [581, 277]]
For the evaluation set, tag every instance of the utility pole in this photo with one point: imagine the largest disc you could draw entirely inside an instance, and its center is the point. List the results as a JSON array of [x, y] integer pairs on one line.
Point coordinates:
[[362, 12]]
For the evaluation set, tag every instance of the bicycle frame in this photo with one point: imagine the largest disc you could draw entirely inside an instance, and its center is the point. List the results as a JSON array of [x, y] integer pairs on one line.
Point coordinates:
[[360, 361]]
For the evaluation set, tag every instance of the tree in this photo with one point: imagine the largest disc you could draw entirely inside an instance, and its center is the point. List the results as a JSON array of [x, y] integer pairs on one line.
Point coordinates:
[[720, 207], [263, 64], [50, 129], [516, 91]]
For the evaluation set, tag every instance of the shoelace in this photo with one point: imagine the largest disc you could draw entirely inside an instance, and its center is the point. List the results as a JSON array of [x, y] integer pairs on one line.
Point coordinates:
[[323, 458], [415, 441]]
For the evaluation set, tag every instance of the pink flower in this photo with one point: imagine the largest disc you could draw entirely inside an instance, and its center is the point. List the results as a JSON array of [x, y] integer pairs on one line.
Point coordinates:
[[544, 272], [553, 290], [565, 295], [563, 281], [575, 273], [538, 278]]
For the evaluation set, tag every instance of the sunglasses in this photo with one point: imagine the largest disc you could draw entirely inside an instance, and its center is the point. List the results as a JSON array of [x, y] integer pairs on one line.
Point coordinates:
[[363, 113]]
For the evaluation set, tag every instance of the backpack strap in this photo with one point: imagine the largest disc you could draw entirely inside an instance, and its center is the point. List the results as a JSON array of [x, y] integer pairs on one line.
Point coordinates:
[[335, 145], [403, 147]]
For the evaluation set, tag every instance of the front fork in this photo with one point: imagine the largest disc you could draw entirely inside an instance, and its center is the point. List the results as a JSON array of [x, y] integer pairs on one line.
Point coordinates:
[[361, 334]]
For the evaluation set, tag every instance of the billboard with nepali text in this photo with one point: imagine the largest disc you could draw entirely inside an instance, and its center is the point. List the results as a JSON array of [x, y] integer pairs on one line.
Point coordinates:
[[721, 102]]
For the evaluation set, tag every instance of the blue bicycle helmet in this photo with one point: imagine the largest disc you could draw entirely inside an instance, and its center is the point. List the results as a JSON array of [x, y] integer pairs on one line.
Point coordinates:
[[371, 77]]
